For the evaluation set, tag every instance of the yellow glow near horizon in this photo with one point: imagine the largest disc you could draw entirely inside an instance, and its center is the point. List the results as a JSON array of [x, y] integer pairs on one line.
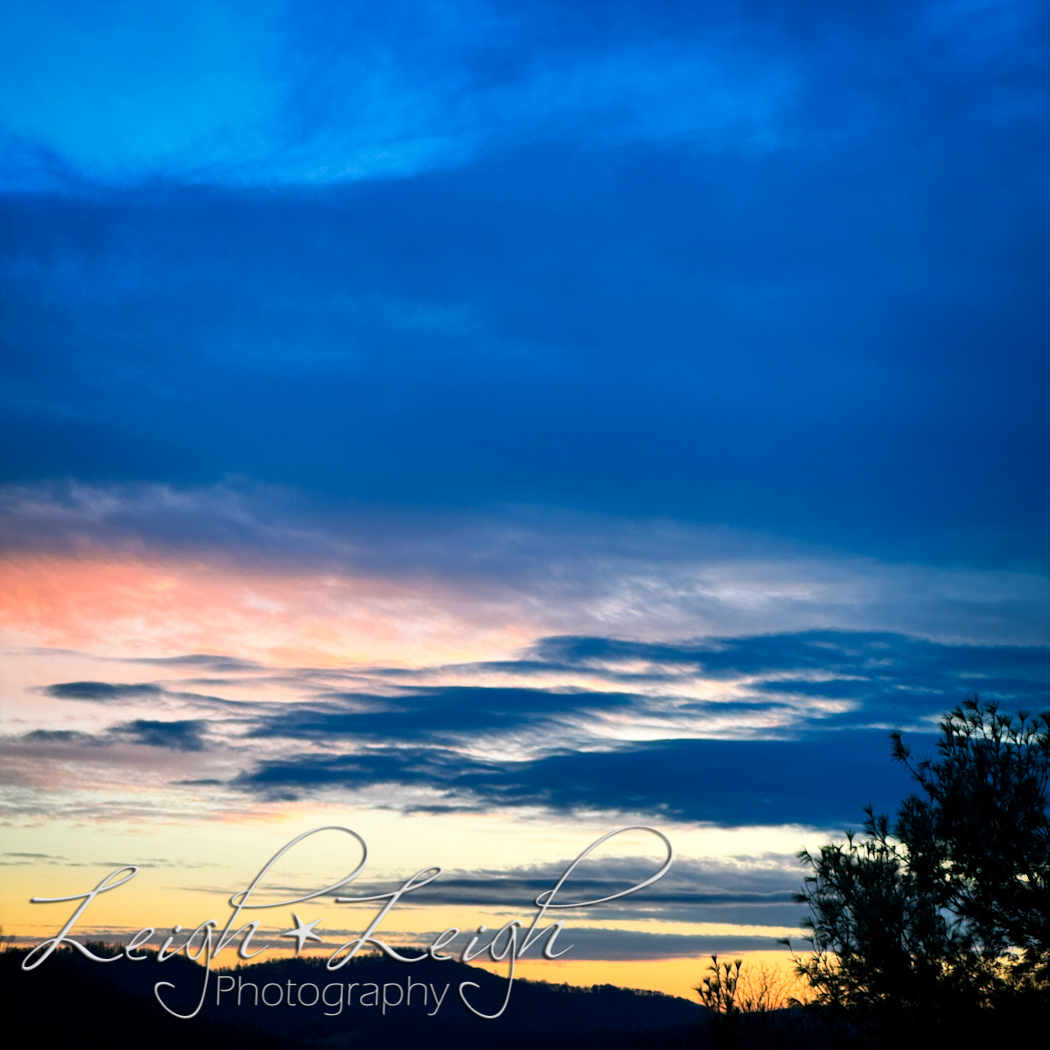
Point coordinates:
[[676, 976], [205, 862]]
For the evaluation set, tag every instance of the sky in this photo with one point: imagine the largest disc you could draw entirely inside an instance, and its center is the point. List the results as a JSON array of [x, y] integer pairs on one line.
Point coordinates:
[[488, 425]]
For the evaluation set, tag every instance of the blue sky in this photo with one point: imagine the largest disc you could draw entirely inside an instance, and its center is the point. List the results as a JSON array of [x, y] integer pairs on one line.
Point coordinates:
[[475, 407], [734, 264]]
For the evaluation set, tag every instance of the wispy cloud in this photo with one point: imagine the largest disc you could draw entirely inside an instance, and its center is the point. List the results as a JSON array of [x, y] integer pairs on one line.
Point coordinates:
[[102, 691], [274, 93], [228, 560], [321, 92], [767, 729]]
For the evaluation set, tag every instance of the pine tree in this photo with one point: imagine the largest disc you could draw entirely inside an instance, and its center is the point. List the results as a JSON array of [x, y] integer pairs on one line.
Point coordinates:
[[927, 925]]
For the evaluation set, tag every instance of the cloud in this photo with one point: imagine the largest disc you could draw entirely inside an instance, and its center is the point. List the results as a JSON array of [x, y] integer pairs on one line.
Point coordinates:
[[176, 735], [755, 890], [766, 685], [318, 92], [185, 735], [62, 736], [151, 694], [879, 675], [767, 729], [102, 691], [120, 771], [443, 713], [218, 664], [817, 764], [786, 282], [821, 781], [277, 562], [824, 781], [596, 943]]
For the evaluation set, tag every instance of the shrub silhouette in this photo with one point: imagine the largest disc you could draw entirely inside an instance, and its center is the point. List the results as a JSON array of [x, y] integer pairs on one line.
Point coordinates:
[[731, 989], [718, 992]]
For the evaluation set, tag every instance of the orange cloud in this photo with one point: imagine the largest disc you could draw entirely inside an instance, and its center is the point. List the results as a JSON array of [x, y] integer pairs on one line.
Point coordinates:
[[129, 605]]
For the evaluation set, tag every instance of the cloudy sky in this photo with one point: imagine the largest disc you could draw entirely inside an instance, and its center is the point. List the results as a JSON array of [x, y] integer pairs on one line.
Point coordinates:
[[485, 425]]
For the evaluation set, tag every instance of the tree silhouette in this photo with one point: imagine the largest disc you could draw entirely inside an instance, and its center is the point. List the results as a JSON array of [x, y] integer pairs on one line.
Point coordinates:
[[927, 925], [978, 838], [882, 948]]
